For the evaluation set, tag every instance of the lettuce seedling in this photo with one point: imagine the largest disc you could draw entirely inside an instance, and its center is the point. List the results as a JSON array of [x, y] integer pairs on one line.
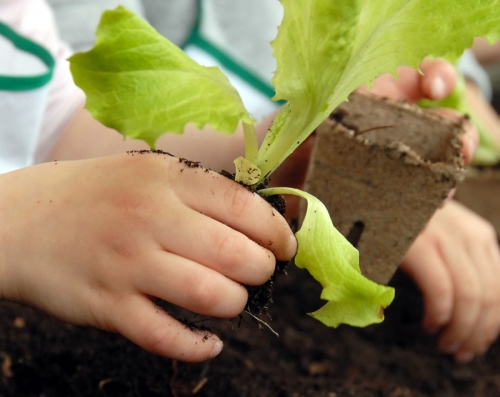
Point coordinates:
[[140, 84]]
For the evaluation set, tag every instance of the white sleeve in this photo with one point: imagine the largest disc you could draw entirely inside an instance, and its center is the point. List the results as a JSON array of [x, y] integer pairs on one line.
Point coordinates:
[[472, 70], [34, 20], [64, 101]]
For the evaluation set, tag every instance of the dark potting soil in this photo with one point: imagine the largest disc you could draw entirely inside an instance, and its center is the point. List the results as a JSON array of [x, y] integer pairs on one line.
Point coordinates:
[[41, 356]]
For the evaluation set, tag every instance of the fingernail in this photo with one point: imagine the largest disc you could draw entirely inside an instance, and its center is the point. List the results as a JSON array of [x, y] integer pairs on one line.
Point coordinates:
[[291, 245], [216, 349], [464, 357], [438, 88]]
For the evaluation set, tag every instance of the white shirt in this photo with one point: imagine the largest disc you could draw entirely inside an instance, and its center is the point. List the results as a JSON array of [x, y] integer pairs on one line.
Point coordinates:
[[33, 19]]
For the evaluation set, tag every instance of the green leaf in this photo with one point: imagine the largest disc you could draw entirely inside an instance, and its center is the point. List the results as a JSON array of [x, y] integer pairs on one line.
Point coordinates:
[[142, 85], [326, 49], [351, 298], [246, 172], [487, 153]]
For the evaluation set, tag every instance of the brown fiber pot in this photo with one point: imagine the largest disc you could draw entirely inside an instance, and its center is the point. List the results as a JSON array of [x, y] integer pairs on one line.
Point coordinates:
[[480, 191], [382, 168]]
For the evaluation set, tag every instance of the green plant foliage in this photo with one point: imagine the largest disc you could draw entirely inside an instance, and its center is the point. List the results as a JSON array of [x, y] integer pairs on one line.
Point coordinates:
[[326, 49], [142, 85], [332, 261]]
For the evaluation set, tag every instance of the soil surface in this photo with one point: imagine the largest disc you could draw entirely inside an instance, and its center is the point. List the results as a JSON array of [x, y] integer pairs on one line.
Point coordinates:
[[40, 356]]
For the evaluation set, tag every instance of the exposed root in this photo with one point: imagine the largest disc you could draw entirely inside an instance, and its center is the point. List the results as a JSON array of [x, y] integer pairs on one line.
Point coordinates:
[[262, 322]]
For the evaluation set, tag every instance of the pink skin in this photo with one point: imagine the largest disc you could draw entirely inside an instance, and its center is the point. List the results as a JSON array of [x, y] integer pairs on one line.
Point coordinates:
[[122, 230], [456, 263]]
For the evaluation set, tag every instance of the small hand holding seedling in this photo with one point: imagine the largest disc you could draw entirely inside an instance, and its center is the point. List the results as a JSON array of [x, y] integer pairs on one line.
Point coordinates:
[[142, 85], [98, 238]]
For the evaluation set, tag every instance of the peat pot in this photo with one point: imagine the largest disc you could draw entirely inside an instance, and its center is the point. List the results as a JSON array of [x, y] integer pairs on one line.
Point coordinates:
[[382, 168]]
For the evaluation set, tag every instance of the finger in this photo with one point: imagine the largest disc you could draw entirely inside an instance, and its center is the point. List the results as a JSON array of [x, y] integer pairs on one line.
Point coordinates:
[[475, 343], [495, 255], [470, 141], [409, 84], [425, 266], [139, 320], [190, 285], [439, 78], [232, 204], [487, 326], [494, 250], [217, 246], [385, 86], [467, 295]]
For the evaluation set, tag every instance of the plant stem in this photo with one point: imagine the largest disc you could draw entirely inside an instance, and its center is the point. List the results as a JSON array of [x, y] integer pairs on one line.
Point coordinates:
[[251, 143]]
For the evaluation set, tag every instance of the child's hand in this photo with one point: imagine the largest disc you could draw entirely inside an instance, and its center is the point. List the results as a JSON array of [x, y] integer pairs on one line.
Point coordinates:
[[456, 263], [437, 81], [91, 242]]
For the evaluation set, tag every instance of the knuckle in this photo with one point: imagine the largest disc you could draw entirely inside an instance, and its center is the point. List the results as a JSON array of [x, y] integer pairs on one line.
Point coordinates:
[[205, 293], [136, 204], [216, 299], [132, 205], [490, 232], [440, 316], [265, 267], [443, 293], [236, 199], [229, 253], [122, 247], [469, 295], [157, 338], [239, 259], [490, 300]]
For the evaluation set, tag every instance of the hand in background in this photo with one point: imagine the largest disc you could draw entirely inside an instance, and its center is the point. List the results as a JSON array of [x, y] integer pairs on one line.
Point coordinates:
[[435, 82], [456, 260], [92, 241], [456, 263]]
